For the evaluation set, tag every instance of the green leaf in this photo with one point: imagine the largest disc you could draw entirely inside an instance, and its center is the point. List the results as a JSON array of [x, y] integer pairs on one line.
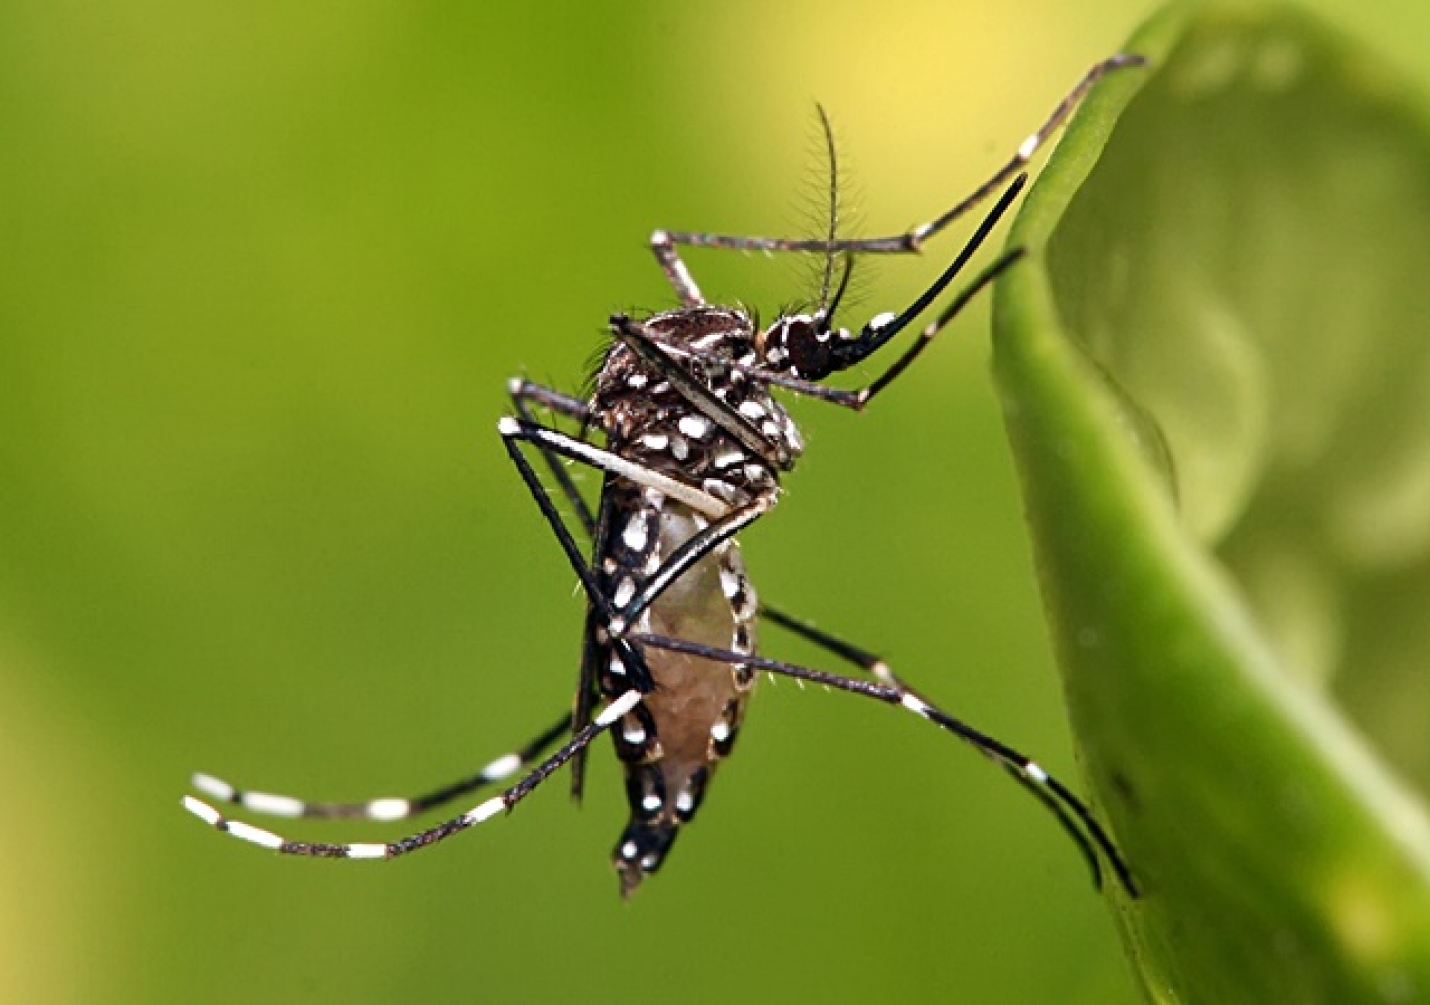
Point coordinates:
[[1215, 372]]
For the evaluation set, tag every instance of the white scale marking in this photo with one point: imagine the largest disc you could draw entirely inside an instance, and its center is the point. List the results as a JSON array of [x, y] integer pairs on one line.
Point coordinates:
[[651, 803], [719, 489], [882, 320], [388, 809], [273, 805], [694, 426], [720, 732], [915, 704], [367, 851], [1028, 147], [752, 410], [215, 787], [634, 733], [1036, 773], [624, 593], [729, 457], [486, 810], [636, 381], [655, 441], [256, 835], [796, 441], [202, 810], [731, 582], [501, 767], [636, 534], [629, 849], [618, 708], [685, 802], [617, 465]]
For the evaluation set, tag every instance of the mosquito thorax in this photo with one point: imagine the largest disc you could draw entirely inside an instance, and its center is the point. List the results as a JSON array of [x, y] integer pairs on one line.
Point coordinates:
[[649, 420]]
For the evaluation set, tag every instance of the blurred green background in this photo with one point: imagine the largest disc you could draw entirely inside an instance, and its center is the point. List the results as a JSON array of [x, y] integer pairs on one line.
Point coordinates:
[[264, 275]]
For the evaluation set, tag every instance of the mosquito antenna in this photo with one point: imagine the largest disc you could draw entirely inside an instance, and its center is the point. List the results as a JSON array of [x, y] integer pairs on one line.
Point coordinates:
[[826, 279]]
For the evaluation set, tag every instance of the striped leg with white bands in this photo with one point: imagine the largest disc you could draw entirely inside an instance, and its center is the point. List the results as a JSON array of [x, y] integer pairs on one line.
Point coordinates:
[[478, 814], [1073, 814], [390, 807]]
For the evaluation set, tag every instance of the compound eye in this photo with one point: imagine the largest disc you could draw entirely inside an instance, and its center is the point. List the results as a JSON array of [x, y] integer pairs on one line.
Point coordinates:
[[808, 346]]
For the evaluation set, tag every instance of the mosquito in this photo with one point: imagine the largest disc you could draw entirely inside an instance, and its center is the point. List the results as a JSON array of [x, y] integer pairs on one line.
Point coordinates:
[[693, 445]]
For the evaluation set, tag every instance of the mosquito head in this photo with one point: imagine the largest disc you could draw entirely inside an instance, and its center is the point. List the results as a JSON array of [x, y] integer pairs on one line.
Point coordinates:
[[807, 345], [802, 345]]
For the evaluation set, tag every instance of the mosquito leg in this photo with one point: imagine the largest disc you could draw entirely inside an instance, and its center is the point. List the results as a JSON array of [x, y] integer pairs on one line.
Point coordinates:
[[415, 842], [1027, 149], [847, 651], [882, 672], [662, 244], [1055, 793], [512, 430], [523, 394], [864, 395], [907, 242], [387, 808], [399, 808], [728, 523], [877, 333], [518, 430], [696, 547]]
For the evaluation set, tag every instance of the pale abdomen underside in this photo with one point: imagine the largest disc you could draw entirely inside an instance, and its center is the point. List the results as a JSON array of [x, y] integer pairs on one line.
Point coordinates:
[[671, 743]]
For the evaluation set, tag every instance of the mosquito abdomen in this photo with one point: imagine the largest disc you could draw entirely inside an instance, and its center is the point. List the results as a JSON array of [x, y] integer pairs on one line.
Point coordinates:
[[669, 746]]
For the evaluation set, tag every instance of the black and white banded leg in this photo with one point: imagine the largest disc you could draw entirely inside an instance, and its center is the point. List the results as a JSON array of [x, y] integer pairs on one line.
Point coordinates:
[[480, 813], [664, 243], [1052, 793], [728, 520], [524, 394], [553, 441], [727, 523], [882, 672], [386, 808]]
